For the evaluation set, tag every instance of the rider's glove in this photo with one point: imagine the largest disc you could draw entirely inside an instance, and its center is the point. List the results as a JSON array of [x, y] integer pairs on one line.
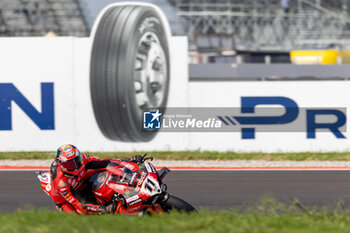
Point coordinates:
[[96, 209], [99, 209]]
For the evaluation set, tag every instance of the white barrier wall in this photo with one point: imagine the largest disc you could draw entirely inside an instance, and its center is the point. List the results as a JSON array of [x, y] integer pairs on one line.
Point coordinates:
[[64, 64], [26, 63], [307, 94]]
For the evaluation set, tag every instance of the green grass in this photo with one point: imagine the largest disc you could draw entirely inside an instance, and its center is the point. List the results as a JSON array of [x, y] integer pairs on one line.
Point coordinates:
[[196, 155], [268, 216]]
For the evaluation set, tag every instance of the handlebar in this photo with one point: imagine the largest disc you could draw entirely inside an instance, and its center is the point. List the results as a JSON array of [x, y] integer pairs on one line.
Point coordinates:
[[144, 158]]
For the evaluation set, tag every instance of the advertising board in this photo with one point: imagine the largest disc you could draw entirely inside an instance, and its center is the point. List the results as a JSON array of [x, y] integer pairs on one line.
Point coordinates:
[[46, 101], [57, 90]]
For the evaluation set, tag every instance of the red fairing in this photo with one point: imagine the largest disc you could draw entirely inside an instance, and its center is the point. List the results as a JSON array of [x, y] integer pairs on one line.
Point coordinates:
[[127, 179], [129, 185]]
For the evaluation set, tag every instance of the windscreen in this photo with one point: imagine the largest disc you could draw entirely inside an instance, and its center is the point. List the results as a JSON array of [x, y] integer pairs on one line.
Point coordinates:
[[122, 175]]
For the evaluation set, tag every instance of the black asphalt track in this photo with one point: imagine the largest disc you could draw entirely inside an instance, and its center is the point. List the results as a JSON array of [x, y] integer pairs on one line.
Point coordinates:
[[206, 189]]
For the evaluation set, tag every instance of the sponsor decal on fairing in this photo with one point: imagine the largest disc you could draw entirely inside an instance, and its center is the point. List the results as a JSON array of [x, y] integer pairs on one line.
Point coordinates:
[[133, 198], [135, 202]]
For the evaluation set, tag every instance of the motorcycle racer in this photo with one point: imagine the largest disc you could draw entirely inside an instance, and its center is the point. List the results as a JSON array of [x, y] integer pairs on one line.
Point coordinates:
[[131, 186], [70, 173]]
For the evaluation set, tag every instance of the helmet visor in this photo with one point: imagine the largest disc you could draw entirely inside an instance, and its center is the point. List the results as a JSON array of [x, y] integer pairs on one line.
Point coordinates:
[[72, 164]]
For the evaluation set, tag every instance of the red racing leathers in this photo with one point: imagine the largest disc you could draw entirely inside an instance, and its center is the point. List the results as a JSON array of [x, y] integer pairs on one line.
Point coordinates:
[[65, 187]]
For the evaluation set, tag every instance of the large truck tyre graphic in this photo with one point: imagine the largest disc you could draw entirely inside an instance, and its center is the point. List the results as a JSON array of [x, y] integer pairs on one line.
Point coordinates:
[[130, 69]]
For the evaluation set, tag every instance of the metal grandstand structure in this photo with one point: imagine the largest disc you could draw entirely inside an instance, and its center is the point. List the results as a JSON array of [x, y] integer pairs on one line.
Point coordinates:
[[265, 24], [39, 17], [211, 25]]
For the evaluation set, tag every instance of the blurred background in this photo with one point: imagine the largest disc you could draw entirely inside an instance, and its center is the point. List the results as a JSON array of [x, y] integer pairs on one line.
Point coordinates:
[[218, 31]]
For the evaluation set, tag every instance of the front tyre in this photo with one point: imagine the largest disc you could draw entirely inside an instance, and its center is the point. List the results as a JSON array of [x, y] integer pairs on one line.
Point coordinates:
[[175, 203]]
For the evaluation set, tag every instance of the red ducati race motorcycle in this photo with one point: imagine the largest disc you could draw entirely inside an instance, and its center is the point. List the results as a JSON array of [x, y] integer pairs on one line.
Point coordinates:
[[135, 188]]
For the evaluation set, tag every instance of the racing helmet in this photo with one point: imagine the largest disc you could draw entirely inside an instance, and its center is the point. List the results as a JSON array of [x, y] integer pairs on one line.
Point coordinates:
[[70, 159]]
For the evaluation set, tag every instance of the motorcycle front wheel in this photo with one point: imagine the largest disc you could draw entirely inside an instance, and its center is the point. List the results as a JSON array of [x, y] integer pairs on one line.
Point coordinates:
[[175, 203]]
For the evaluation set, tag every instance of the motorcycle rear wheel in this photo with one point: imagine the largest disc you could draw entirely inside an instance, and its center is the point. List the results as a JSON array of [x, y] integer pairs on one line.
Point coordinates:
[[175, 203]]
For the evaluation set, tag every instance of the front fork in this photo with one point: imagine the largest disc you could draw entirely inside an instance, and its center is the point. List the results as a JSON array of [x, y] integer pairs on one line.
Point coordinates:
[[157, 200], [121, 206]]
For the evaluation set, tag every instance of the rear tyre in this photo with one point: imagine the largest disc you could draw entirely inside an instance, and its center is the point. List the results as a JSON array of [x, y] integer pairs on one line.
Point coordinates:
[[175, 203], [129, 71]]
